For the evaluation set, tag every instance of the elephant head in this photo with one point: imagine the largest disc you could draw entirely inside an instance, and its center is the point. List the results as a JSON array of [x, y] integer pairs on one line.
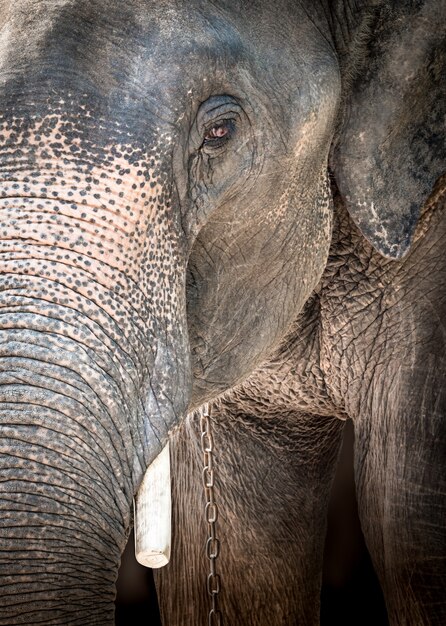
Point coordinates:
[[165, 213]]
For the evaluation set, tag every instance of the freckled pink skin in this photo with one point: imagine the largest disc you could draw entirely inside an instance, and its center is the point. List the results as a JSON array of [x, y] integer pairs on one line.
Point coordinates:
[[93, 355]]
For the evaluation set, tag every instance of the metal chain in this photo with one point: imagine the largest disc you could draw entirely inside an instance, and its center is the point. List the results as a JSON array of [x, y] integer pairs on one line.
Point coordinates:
[[211, 514]]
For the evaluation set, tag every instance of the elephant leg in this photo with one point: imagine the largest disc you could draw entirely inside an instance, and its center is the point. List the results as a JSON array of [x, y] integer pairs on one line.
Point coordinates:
[[273, 479], [399, 467], [400, 449]]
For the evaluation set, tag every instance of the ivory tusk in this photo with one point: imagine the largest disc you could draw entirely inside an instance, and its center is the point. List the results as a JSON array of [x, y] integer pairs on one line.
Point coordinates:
[[152, 513]]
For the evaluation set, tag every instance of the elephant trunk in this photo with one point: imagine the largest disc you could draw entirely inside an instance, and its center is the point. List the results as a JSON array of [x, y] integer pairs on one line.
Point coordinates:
[[65, 484], [94, 367], [64, 473], [75, 438]]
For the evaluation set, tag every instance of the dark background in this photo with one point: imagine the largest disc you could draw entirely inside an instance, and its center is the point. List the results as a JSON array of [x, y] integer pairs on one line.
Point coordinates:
[[351, 595]]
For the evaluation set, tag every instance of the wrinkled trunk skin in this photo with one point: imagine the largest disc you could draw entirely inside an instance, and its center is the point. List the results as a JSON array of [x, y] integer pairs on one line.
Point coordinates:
[[93, 353], [66, 478]]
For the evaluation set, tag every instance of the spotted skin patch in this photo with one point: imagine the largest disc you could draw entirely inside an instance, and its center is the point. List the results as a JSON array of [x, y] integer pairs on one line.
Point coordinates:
[[92, 315]]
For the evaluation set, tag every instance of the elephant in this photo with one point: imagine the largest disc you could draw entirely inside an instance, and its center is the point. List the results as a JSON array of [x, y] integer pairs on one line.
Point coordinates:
[[233, 203]]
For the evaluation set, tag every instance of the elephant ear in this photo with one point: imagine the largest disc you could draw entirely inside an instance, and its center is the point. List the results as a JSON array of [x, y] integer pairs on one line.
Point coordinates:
[[391, 147]]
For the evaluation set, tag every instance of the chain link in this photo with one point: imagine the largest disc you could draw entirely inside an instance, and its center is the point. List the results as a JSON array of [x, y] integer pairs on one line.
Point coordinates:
[[211, 514]]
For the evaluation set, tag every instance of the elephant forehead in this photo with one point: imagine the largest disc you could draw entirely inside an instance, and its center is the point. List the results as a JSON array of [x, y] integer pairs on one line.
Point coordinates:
[[156, 52], [108, 45]]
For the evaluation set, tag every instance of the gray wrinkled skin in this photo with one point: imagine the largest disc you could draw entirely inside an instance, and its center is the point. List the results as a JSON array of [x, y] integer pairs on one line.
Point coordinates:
[[277, 437], [179, 188]]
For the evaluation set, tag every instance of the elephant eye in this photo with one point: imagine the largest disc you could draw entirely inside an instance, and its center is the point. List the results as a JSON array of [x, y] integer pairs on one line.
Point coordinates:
[[218, 134]]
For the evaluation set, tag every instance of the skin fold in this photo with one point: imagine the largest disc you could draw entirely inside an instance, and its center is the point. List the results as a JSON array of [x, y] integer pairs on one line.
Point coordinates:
[[228, 202]]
